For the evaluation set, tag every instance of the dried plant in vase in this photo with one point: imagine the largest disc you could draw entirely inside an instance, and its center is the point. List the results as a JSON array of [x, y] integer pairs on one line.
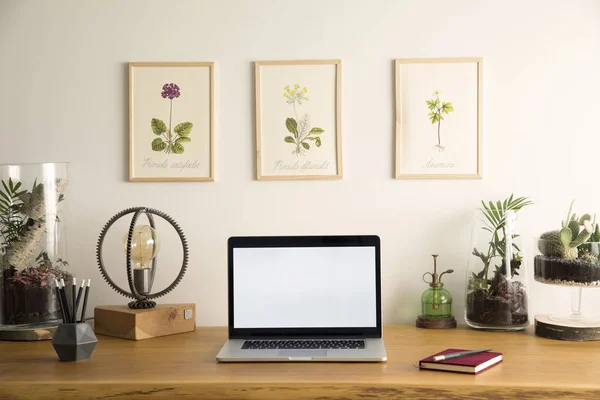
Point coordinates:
[[29, 251]]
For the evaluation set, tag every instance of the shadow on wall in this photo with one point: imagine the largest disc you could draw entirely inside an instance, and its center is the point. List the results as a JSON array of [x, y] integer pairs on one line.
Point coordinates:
[[126, 121], [451, 241]]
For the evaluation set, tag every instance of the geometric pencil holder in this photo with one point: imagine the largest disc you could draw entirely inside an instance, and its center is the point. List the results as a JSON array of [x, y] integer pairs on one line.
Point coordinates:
[[74, 342]]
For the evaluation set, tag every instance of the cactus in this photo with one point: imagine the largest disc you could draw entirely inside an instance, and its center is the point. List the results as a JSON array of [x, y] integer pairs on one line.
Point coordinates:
[[550, 244], [563, 244], [596, 235], [588, 257]]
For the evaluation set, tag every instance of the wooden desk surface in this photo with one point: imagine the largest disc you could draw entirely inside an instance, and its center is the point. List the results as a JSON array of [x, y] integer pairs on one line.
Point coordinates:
[[183, 367]]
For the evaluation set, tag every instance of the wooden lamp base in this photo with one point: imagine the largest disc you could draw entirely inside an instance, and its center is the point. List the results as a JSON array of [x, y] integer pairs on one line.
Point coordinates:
[[126, 323], [436, 323], [570, 331]]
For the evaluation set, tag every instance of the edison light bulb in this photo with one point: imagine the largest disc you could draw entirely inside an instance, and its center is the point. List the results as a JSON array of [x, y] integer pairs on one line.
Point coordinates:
[[145, 245]]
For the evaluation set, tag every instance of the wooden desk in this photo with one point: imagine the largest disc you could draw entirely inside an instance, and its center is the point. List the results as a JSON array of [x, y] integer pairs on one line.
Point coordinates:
[[183, 367]]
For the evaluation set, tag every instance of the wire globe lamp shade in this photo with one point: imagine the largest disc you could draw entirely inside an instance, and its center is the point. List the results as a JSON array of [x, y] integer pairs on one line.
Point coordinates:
[[141, 245]]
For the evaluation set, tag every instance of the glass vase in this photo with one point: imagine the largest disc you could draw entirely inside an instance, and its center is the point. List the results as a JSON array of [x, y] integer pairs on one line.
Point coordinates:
[[496, 284], [581, 269], [32, 244]]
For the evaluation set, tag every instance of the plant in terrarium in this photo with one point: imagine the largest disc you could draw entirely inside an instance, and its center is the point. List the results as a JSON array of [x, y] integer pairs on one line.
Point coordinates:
[[496, 295], [27, 267], [570, 255], [590, 250]]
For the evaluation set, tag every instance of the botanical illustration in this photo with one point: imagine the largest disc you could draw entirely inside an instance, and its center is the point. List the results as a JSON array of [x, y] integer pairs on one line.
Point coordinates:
[[495, 297], [436, 110], [170, 140], [27, 269], [300, 127]]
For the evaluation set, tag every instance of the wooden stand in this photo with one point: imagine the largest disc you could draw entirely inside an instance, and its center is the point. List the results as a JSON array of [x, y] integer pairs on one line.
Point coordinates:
[[436, 323], [547, 328], [28, 333], [162, 320]]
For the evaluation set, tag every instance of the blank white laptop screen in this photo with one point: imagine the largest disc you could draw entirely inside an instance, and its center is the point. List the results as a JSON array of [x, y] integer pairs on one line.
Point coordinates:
[[304, 287]]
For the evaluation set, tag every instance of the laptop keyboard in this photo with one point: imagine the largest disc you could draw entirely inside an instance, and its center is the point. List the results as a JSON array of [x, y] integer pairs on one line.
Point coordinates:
[[303, 344]]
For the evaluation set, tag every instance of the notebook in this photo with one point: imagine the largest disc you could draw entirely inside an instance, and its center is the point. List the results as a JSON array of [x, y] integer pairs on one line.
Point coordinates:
[[472, 364]]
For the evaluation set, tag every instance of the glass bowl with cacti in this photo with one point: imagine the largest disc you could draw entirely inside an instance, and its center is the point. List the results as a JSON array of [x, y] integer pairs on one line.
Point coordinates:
[[32, 243], [570, 256], [496, 286]]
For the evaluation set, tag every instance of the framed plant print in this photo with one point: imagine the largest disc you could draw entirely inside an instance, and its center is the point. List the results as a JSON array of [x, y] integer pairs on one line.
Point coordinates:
[[439, 118], [171, 121], [298, 119]]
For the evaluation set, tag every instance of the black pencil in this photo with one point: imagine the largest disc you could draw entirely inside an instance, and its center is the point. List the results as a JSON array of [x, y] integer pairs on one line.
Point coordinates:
[[60, 302], [85, 298], [74, 310], [79, 292], [65, 302]]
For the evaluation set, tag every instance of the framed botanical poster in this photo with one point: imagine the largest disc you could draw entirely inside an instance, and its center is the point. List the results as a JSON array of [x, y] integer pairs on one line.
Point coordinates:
[[171, 121], [439, 118], [298, 119]]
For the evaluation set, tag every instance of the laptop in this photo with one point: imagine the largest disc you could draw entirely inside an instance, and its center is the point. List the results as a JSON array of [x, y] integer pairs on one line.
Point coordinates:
[[304, 298]]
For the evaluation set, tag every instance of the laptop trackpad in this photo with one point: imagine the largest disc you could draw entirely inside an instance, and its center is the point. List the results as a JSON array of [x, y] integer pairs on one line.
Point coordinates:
[[302, 353]]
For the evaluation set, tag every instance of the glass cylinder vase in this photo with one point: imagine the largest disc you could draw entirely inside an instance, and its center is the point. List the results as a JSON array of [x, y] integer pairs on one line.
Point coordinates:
[[496, 284], [574, 267], [32, 244]]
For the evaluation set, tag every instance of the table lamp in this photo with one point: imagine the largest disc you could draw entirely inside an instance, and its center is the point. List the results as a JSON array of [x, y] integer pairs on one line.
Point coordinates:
[[142, 318]]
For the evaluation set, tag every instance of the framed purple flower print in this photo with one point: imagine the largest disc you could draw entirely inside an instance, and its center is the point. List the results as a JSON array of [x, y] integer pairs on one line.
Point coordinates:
[[171, 121]]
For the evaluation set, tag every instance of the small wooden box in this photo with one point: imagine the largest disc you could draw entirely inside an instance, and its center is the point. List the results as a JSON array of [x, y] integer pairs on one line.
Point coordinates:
[[164, 319]]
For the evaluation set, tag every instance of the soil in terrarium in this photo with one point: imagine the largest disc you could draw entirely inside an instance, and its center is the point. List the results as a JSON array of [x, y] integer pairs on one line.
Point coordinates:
[[504, 305], [560, 269], [26, 304]]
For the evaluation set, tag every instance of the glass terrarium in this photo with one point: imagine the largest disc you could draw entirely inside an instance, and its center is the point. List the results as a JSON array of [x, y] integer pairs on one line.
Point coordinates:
[[32, 243], [496, 284], [570, 257]]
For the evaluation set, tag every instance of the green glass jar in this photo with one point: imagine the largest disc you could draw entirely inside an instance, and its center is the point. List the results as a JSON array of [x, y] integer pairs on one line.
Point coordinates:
[[436, 302]]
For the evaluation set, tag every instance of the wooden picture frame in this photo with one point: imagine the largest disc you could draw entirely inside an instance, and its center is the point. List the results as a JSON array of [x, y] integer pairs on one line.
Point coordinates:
[[421, 88], [171, 121], [289, 146]]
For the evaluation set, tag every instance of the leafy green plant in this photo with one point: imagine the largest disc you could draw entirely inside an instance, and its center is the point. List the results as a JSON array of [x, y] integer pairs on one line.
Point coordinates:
[[436, 110], [22, 224], [12, 223], [498, 300], [170, 141], [300, 128], [495, 223]]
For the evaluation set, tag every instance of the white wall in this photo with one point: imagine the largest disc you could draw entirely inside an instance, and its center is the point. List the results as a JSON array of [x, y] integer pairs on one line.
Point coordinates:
[[63, 96]]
